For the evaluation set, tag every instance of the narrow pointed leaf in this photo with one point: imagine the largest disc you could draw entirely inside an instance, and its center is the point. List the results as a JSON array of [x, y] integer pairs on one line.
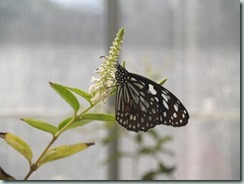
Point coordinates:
[[147, 150], [165, 169], [63, 151], [5, 176], [100, 117], [74, 124], [67, 96], [149, 176], [64, 122], [41, 125], [154, 134], [78, 123], [18, 144], [85, 119], [123, 64], [163, 140], [162, 81], [81, 93]]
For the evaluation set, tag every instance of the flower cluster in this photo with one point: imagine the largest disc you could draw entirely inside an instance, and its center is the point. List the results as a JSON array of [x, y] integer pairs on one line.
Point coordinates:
[[103, 86]]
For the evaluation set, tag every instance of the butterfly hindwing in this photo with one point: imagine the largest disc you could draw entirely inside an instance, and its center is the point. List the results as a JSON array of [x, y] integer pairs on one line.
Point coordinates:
[[141, 104]]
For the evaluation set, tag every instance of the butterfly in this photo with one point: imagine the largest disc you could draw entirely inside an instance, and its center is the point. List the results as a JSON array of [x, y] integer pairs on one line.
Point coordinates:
[[141, 103]]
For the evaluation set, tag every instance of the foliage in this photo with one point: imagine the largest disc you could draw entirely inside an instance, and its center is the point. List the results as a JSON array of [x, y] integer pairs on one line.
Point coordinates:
[[67, 93]]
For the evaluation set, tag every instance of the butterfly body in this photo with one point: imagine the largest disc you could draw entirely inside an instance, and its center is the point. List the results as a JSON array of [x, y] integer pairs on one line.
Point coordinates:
[[141, 103]]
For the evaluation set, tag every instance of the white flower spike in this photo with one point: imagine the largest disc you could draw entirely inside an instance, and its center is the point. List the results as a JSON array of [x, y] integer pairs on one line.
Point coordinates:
[[102, 87]]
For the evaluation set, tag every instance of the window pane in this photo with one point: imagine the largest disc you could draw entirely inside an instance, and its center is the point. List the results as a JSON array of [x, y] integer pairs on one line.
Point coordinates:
[[196, 45], [42, 41]]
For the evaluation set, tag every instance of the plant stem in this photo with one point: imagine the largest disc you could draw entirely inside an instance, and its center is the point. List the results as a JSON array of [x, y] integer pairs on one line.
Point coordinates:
[[29, 173], [35, 166]]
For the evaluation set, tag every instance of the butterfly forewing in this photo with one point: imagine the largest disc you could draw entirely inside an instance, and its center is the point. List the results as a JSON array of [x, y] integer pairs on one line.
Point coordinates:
[[141, 104]]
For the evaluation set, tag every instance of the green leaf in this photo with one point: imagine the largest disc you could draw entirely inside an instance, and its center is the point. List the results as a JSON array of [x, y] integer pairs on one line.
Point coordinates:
[[5, 176], [18, 144], [62, 152], [74, 124], [166, 170], [66, 95], [149, 176], [41, 125], [78, 123], [64, 122], [123, 64], [100, 117], [147, 150], [86, 118], [153, 134], [165, 139], [162, 81], [81, 93]]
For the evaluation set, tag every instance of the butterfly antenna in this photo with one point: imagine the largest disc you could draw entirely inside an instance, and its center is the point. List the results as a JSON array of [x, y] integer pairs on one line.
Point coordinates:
[[102, 57]]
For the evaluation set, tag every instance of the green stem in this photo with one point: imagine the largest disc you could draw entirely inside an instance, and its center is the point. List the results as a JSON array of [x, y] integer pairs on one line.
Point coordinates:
[[29, 173], [35, 166]]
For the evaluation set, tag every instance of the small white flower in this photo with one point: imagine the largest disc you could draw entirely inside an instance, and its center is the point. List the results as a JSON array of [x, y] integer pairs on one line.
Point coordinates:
[[103, 86]]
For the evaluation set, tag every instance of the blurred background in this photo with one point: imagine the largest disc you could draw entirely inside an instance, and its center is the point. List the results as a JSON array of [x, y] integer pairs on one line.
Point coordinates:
[[194, 43]]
